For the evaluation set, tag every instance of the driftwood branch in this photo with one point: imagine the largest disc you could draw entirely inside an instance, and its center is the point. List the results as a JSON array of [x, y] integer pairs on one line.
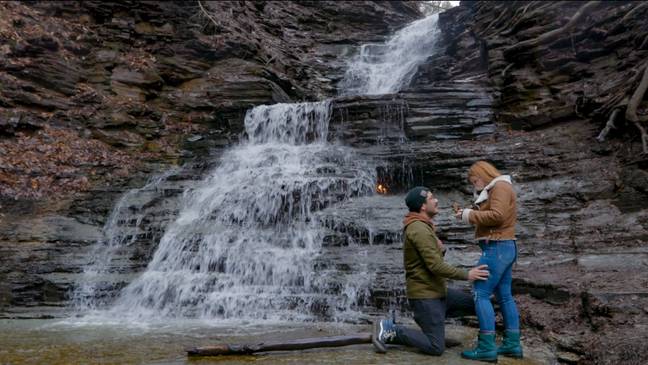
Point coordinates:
[[554, 34], [631, 111], [301, 344]]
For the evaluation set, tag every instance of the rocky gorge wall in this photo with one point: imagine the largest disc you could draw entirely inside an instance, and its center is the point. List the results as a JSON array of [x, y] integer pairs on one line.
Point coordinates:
[[97, 97], [96, 84], [583, 214], [535, 112]]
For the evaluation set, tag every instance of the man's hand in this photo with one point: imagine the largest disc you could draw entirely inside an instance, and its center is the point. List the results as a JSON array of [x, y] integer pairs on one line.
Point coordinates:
[[441, 245], [478, 273], [458, 214]]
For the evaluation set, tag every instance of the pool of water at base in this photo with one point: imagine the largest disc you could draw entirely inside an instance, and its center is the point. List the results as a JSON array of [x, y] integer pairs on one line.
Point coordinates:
[[92, 341]]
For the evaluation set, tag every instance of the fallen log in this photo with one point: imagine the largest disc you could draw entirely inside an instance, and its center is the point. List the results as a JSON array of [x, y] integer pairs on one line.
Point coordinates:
[[300, 344]]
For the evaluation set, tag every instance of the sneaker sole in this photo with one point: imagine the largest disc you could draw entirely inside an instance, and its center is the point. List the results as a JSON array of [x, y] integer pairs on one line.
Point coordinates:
[[378, 346]]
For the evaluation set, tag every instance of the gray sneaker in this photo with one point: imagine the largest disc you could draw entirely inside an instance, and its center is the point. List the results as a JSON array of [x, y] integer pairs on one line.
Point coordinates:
[[383, 333]]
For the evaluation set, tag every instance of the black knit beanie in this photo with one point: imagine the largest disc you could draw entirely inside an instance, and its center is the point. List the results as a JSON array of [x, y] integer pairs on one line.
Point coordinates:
[[416, 198]]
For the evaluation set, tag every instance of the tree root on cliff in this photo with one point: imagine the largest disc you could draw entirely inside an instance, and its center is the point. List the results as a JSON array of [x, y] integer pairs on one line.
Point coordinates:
[[506, 69], [633, 11], [608, 126], [208, 15], [622, 23], [497, 21], [631, 111], [644, 44], [517, 19], [554, 34]]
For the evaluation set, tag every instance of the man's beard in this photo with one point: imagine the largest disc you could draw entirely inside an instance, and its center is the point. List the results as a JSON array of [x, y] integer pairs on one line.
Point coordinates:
[[430, 214]]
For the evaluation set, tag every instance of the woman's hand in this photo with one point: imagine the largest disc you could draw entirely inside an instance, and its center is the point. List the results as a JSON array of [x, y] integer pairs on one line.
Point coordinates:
[[457, 210]]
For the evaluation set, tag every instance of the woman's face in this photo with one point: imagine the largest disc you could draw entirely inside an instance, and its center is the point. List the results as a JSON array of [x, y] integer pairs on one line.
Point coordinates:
[[477, 182]]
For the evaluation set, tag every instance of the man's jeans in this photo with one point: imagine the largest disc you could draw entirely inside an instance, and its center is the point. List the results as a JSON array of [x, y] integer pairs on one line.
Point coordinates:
[[430, 315], [499, 256]]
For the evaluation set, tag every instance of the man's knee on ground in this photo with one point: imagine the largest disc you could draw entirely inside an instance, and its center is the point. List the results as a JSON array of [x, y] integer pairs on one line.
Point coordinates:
[[434, 350]]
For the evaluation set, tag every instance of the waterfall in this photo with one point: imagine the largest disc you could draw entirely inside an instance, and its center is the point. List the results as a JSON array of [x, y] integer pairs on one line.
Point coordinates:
[[245, 242], [119, 234], [384, 68]]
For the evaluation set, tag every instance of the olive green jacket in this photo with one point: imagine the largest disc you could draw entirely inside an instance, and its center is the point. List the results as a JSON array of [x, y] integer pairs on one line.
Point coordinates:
[[425, 270]]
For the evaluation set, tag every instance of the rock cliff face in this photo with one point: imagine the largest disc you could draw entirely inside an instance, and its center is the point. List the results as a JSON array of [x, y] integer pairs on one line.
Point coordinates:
[[98, 97], [583, 230], [91, 91], [583, 221]]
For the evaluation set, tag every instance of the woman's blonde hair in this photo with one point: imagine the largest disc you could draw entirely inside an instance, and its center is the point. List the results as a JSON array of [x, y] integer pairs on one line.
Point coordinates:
[[483, 170]]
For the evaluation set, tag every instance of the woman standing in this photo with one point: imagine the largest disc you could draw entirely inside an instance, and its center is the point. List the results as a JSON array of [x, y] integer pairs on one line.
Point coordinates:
[[494, 218]]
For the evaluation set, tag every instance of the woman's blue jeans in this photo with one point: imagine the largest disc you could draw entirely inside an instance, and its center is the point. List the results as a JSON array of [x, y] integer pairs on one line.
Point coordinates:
[[499, 256]]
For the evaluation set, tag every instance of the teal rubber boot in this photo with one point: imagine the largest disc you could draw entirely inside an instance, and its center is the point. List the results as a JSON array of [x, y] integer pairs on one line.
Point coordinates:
[[511, 345], [485, 350]]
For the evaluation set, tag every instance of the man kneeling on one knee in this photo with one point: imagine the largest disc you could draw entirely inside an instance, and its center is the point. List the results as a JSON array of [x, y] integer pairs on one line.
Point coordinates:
[[426, 274]]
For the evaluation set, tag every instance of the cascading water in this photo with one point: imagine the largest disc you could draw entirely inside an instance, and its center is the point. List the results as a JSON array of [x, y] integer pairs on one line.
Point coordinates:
[[384, 68], [243, 244], [246, 239], [120, 232]]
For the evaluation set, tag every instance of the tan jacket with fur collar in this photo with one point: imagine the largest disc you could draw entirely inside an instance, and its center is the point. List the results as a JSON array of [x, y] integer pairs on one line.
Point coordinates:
[[497, 215]]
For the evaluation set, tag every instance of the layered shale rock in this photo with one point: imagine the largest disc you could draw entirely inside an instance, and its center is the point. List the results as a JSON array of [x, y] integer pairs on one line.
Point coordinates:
[[583, 226], [140, 78], [95, 98], [134, 77]]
